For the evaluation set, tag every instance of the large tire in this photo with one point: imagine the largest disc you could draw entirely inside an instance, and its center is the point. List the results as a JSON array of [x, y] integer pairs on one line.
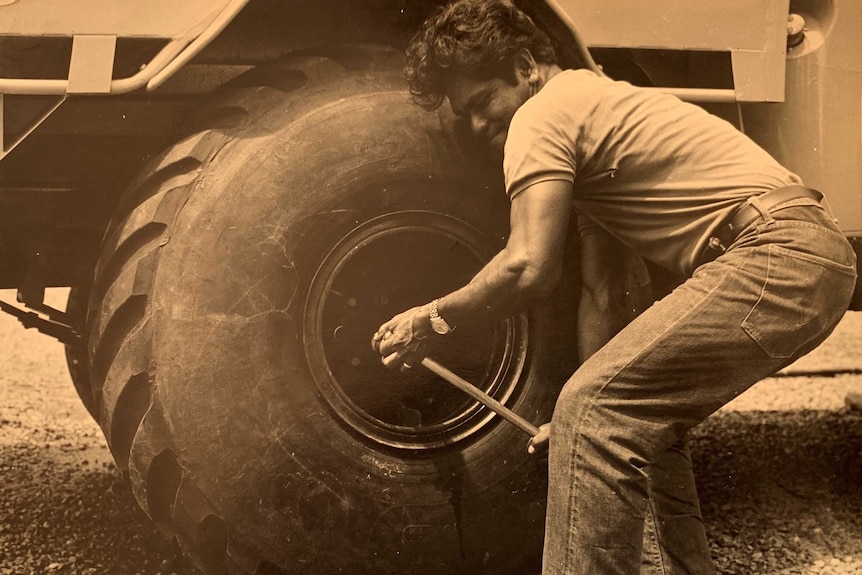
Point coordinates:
[[76, 352], [230, 326]]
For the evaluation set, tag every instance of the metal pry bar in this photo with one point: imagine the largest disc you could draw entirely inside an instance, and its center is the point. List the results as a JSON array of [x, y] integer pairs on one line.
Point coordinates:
[[481, 397]]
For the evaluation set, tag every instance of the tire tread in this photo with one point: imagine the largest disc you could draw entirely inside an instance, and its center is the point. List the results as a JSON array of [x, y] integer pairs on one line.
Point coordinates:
[[121, 317]]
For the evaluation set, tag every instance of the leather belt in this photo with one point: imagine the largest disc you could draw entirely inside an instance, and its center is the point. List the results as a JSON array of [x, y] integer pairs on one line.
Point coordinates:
[[747, 213]]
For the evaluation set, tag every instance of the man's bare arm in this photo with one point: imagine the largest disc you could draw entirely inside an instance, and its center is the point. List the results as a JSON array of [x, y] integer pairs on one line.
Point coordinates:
[[614, 288], [596, 326], [530, 265], [528, 268]]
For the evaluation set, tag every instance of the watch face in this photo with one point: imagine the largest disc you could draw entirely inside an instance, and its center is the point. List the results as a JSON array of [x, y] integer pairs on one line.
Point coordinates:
[[439, 325]]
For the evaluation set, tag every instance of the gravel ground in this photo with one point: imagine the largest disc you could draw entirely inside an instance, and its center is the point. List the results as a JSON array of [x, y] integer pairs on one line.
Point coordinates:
[[779, 472]]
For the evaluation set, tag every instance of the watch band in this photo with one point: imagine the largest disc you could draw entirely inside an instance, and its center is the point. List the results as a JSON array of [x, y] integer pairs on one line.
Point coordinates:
[[438, 324]]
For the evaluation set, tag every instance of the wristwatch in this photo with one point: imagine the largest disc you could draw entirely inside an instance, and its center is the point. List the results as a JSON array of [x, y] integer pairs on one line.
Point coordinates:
[[438, 324]]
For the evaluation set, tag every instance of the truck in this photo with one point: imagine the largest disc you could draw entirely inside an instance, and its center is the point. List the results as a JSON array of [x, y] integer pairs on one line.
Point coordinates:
[[238, 192]]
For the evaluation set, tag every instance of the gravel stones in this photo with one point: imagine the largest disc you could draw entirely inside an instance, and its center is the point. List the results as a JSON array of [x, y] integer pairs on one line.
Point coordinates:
[[779, 471], [781, 492], [64, 509]]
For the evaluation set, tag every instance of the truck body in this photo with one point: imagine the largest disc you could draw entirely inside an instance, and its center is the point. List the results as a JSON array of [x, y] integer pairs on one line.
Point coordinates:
[[221, 181], [79, 81]]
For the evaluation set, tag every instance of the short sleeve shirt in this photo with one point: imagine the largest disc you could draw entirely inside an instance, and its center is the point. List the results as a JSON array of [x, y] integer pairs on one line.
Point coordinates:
[[655, 172]]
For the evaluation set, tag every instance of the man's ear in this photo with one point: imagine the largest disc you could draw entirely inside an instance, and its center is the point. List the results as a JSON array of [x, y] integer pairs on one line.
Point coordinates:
[[526, 67]]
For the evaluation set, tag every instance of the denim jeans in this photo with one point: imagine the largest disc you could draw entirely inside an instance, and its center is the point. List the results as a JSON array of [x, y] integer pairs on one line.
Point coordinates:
[[618, 457]]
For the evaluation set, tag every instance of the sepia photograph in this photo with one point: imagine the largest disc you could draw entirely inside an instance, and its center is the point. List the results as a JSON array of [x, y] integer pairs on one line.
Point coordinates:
[[430, 287]]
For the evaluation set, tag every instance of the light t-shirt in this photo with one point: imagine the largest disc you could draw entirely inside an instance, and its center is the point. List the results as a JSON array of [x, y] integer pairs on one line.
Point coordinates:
[[657, 173]]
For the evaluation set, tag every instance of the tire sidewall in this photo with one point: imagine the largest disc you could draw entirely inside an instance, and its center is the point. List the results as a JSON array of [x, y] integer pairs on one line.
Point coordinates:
[[228, 345]]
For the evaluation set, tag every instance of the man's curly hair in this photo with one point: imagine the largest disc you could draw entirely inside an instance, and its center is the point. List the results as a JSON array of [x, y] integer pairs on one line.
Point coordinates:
[[476, 38]]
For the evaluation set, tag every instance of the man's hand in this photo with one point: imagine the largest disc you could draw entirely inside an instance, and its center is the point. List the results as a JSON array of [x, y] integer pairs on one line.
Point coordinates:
[[403, 340], [539, 442]]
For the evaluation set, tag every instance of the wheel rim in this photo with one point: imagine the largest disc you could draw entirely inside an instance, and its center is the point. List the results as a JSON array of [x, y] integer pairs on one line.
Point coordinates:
[[383, 267]]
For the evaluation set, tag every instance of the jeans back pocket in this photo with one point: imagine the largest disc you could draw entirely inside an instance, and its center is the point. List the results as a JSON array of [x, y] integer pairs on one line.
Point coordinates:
[[802, 299]]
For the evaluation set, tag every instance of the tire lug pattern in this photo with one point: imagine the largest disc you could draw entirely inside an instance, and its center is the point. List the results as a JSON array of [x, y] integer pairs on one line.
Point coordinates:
[[123, 321]]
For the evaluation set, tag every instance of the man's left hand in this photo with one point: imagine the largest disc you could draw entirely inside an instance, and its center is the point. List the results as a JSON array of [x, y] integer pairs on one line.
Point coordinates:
[[402, 341], [539, 442]]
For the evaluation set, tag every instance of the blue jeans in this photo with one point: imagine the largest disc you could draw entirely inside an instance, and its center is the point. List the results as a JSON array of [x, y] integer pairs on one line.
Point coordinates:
[[618, 457]]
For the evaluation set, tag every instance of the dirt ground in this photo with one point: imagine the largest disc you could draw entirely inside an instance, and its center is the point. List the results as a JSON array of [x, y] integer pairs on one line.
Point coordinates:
[[779, 471]]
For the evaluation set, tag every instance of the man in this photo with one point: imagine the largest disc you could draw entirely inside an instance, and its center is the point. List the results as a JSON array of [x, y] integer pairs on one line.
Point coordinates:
[[768, 275]]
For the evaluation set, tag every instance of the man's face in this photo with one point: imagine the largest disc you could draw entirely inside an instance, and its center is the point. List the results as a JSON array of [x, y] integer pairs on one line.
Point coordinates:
[[488, 105]]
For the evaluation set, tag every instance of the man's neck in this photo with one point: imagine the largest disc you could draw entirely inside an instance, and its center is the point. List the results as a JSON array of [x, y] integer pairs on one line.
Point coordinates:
[[546, 72]]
